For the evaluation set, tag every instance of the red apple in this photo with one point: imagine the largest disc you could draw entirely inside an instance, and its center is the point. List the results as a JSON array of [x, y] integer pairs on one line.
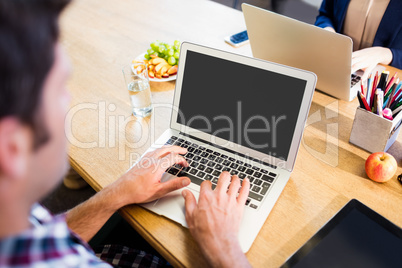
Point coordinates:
[[381, 166]]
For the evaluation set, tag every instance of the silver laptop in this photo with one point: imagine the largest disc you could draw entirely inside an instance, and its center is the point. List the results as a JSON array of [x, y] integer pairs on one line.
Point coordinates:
[[277, 38], [238, 114]]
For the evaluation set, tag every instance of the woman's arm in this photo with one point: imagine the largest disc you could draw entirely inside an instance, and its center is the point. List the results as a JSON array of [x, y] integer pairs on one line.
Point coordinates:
[[325, 16]]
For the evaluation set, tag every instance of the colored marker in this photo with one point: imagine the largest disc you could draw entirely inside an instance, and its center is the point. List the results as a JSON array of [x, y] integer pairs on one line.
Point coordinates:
[[375, 80], [374, 105], [380, 101], [390, 83], [383, 80], [387, 113], [396, 103], [394, 112], [398, 92], [363, 101], [373, 88], [392, 90], [368, 95]]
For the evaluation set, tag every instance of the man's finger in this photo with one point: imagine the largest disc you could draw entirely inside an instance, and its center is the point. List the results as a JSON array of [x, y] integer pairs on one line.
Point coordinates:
[[162, 152], [174, 184], [205, 186], [223, 182], [244, 190], [172, 159], [190, 204], [234, 186], [179, 159]]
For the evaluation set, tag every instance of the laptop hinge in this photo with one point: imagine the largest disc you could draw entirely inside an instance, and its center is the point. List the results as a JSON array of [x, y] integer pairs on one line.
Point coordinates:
[[229, 150]]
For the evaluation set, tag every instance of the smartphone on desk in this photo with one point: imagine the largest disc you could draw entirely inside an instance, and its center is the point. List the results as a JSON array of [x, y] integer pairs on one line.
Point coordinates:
[[237, 39]]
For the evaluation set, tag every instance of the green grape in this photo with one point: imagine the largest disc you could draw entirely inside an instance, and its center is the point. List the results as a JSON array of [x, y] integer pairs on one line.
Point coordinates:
[[147, 57], [166, 51], [162, 49], [170, 52], [154, 46], [172, 61]]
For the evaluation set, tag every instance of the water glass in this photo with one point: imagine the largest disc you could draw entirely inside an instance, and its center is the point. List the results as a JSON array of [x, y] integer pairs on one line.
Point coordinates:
[[137, 81]]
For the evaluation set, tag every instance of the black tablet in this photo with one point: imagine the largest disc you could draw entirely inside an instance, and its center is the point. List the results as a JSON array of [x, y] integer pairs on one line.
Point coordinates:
[[356, 236]]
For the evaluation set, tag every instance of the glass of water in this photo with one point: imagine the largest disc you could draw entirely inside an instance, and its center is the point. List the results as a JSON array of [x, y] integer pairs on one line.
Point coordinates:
[[137, 81]]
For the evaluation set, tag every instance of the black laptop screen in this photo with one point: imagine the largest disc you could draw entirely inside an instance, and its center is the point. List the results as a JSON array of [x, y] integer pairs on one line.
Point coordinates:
[[249, 106]]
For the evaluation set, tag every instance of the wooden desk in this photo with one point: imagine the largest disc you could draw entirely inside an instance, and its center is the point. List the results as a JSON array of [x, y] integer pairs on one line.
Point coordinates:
[[101, 36]]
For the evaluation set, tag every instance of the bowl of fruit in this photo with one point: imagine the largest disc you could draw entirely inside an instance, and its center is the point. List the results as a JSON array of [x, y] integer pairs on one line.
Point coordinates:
[[162, 60]]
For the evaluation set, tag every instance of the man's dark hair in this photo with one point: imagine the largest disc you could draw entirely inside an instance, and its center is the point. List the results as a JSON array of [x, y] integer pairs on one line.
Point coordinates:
[[28, 33]]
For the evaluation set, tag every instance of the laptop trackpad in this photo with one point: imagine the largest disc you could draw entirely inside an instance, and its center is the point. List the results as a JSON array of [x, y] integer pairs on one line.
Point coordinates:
[[172, 205]]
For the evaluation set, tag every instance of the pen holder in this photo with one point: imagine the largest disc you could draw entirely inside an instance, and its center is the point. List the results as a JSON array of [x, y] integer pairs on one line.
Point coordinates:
[[373, 132]]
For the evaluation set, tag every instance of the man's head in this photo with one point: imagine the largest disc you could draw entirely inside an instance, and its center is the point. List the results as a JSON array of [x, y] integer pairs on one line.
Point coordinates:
[[33, 98]]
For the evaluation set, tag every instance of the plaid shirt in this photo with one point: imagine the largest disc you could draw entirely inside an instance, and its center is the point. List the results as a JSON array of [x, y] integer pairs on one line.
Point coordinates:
[[49, 243]]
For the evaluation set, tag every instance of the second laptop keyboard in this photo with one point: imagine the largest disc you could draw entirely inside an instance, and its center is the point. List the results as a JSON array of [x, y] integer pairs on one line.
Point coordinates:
[[354, 80]]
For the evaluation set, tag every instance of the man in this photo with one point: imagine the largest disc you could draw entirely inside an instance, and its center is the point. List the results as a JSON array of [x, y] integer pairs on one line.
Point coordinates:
[[33, 103]]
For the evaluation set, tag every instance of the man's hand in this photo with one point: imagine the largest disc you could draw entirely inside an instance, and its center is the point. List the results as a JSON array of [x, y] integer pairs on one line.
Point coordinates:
[[215, 221], [368, 58], [142, 183]]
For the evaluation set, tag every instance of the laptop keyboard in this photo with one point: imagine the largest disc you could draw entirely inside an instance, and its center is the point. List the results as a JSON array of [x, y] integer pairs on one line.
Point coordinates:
[[206, 164], [354, 80]]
